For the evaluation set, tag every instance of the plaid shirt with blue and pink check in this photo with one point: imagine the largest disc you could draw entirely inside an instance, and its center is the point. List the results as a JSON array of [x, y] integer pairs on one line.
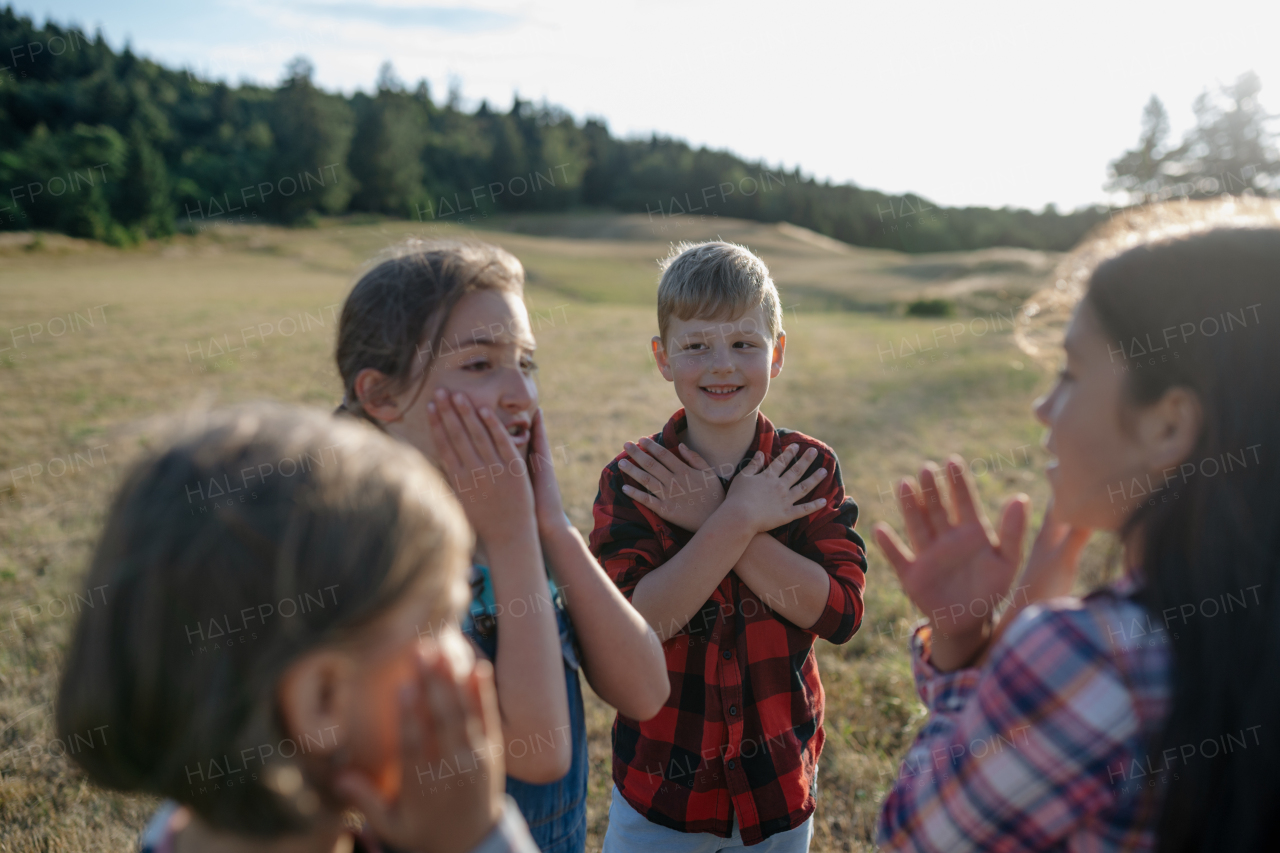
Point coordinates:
[[1049, 746]]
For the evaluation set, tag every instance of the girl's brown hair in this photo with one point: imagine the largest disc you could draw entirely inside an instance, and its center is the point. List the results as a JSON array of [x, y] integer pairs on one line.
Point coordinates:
[[250, 538], [394, 318]]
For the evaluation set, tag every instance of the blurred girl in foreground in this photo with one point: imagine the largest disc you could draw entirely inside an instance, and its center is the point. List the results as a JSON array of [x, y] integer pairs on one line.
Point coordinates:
[[1143, 715], [258, 661]]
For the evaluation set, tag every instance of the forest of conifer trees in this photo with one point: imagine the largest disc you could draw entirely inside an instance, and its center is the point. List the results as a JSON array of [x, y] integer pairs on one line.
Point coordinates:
[[107, 145]]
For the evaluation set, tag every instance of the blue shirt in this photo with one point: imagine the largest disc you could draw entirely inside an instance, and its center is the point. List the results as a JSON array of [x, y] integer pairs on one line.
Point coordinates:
[[556, 812]]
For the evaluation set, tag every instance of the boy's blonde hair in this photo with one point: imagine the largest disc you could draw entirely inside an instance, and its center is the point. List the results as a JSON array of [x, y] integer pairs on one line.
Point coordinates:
[[717, 281]]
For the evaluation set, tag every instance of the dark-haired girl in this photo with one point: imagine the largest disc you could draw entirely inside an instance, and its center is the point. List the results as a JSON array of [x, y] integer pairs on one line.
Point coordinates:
[[1144, 715]]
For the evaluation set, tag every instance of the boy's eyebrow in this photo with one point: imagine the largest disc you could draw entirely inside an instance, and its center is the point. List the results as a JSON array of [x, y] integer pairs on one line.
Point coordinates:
[[715, 331]]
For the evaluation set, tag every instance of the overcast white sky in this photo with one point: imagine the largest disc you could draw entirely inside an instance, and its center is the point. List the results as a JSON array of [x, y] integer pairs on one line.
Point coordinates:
[[980, 103]]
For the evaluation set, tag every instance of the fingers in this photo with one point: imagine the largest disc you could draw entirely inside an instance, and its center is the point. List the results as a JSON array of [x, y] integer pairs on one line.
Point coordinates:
[[445, 451], [898, 554], [491, 718], [484, 695], [499, 436], [644, 478], [640, 496], [1074, 544], [664, 457], [914, 516], [541, 455], [641, 459], [783, 459], [753, 467], [803, 488], [476, 430], [935, 501], [466, 449], [801, 510], [968, 508], [796, 471], [1013, 527], [449, 716], [693, 459]]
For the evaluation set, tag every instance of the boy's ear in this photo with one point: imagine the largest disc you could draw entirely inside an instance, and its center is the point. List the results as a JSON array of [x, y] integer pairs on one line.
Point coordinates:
[[372, 389], [313, 695], [660, 358], [779, 348]]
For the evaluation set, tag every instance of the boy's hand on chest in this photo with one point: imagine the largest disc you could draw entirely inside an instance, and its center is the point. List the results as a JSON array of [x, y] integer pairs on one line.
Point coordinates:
[[682, 490]]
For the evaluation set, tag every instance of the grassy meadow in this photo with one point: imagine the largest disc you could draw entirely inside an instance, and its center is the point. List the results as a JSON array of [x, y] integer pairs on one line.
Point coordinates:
[[96, 344]]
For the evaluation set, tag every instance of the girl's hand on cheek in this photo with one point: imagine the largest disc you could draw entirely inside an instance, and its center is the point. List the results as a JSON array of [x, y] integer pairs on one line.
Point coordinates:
[[549, 506], [451, 792], [489, 475]]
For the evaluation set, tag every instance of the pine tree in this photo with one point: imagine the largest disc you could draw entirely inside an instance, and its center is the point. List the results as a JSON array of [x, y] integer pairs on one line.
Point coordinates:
[[1141, 172], [312, 132], [386, 151]]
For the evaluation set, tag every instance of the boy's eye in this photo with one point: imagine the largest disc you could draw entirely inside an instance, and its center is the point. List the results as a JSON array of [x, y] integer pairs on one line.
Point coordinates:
[[476, 365], [743, 344], [528, 365]]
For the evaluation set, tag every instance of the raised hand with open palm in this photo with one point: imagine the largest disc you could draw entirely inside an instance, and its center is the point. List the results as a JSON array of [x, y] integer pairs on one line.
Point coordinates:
[[957, 567]]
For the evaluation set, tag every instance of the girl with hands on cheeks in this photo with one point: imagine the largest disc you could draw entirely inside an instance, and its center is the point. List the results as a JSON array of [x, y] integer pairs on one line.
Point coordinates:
[[1127, 719], [435, 348]]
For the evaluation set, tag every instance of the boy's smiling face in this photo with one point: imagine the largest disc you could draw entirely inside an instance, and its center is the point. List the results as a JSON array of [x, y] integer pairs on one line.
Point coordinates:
[[721, 368]]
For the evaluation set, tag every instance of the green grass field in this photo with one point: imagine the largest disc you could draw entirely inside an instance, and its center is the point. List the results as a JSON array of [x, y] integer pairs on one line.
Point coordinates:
[[96, 344]]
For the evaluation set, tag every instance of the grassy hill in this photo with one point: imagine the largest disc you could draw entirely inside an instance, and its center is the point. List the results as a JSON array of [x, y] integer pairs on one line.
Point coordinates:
[[96, 343]]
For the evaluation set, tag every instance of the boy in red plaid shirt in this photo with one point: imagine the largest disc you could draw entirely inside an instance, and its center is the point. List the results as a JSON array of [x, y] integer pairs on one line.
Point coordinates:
[[735, 540]]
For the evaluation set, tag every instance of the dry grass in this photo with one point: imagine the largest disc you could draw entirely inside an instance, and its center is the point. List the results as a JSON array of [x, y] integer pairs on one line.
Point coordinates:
[[849, 380]]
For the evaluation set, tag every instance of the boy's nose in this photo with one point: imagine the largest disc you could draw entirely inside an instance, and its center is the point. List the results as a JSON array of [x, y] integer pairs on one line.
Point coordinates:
[[721, 362]]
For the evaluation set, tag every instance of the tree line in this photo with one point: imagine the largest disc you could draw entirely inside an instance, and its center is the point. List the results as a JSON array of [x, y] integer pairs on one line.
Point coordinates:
[[107, 145]]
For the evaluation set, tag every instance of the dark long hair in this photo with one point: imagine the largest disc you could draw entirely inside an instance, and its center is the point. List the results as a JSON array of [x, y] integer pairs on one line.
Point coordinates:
[[1198, 310]]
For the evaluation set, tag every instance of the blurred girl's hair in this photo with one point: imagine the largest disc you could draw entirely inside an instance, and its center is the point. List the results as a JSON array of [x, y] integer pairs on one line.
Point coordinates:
[[395, 316], [248, 538]]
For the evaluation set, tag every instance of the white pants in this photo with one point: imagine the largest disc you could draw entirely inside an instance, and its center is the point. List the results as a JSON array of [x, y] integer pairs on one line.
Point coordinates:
[[630, 832]]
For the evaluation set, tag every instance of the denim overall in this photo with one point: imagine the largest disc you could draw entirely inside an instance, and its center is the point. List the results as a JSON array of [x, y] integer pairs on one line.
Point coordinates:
[[556, 812]]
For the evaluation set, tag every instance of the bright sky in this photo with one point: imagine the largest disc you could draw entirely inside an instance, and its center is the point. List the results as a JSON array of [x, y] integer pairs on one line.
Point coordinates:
[[971, 103]]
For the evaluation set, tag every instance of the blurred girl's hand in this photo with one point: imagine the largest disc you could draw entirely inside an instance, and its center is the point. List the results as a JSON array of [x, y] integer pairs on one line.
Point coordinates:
[[1050, 570], [450, 720], [959, 570]]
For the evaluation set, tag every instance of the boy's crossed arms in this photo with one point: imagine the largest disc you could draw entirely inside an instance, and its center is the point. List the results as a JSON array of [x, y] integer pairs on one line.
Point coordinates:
[[731, 532]]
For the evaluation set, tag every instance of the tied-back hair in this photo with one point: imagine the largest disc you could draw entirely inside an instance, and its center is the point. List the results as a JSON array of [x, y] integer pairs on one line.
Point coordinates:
[[393, 320], [246, 539], [1187, 296]]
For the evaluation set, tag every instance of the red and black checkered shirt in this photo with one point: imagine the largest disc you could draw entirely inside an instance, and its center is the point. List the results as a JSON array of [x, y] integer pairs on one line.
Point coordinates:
[[742, 729]]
